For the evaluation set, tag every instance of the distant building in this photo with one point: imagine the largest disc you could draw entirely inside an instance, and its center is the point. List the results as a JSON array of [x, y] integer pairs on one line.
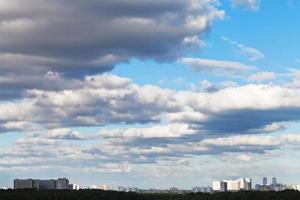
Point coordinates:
[[202, 189], [105, 187], [263, 188], [219, 186], [233, 185], [51, 184], [175, 190], [121, 189], [242, 184], [74, 187], [62, 184], [274, 186], [132, 189], [47, 184], [94, 187], [26, 184], [153, 191], [274, 181], [265, 181], [248, 184]]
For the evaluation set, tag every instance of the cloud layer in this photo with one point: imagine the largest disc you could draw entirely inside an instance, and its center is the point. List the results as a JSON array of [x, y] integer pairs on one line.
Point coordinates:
[[106, 99], [164, 123]]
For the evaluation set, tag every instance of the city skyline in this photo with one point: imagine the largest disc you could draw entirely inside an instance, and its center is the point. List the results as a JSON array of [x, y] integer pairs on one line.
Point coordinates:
[[152, 93], [237, 185], [243, 184]]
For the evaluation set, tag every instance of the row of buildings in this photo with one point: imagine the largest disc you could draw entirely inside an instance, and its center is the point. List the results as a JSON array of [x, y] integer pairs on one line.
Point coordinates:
[[50, 184], [245, 184], [275, 186], [242, 184], [203, 189]]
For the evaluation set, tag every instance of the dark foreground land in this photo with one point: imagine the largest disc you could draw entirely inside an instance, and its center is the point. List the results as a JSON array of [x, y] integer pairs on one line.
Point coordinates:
[[111, 195]]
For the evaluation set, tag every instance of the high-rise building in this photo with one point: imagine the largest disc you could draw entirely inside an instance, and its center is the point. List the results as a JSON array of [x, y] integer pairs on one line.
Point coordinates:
[[219, 186], [25, 184], [242, 184], [265, 181], [47, 184], [62, 184], [74, 187], [248, 184], [274, 181], [233, 185]]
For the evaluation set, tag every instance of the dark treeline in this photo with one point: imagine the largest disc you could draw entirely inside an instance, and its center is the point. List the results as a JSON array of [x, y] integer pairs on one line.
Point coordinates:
[[112, 195]]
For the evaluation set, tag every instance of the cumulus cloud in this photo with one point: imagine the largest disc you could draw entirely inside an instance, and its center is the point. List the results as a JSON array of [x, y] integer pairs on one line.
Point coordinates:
[[162, 131], [65, 134], [77, 38], [13, 86], [108, 99], [248, 4], [207, 86], [103, 100]]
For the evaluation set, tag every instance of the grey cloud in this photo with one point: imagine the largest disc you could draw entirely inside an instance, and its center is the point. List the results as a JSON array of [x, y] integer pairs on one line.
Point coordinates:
[[77, 37], [17, 86], [207, 86], [243, 121]]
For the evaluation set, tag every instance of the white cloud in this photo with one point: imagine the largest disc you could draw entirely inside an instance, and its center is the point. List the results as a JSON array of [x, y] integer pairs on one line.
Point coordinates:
[[217, 66], [107, 99], [262, 76], [65, 134], [245, 158], [249, 4], [162, 131], [250, 52]]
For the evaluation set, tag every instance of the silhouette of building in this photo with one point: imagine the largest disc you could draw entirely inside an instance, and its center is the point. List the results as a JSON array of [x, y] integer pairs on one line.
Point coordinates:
[[26, 184], [51, 184], [62, 184], [265, 181], [274, 181]]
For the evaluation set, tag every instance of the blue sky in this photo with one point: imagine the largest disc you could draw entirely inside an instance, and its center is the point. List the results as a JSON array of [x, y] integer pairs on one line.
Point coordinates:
[[155, 94], [270, 29]]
